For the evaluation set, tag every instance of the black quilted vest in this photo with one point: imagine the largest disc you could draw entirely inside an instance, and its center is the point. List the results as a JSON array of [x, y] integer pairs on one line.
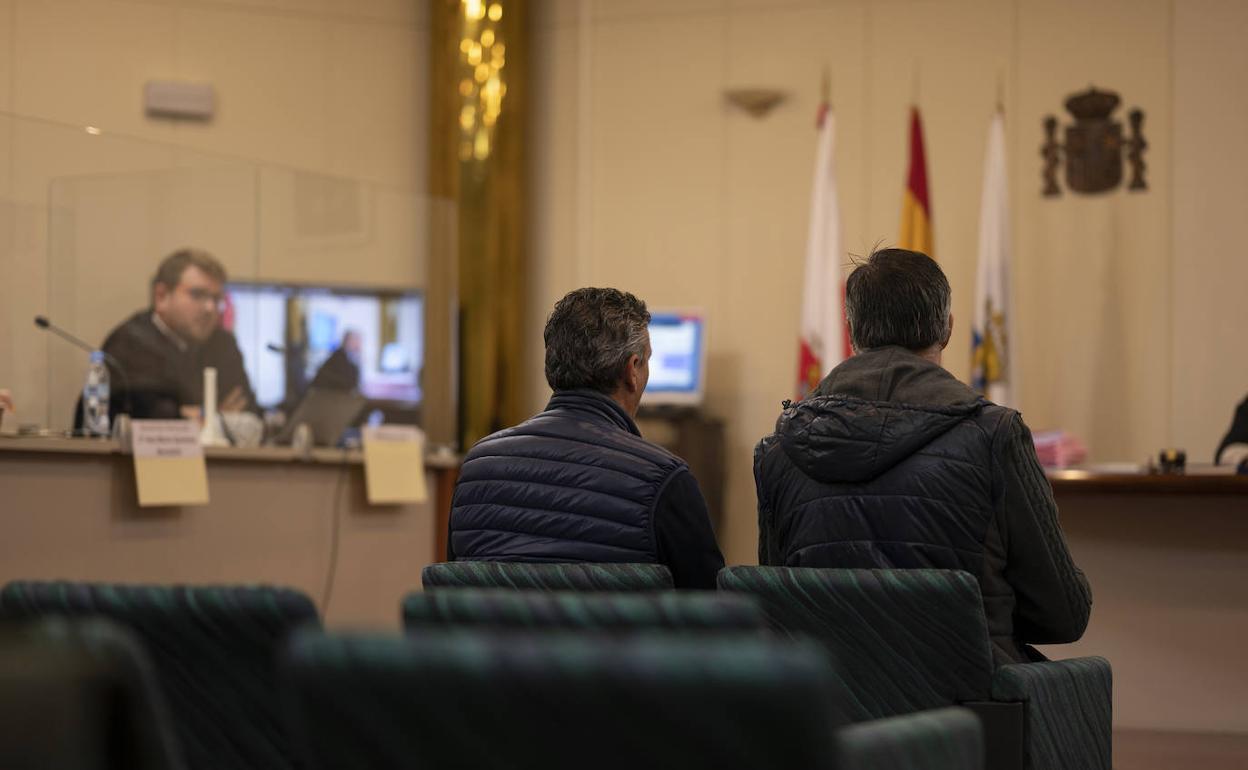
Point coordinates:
[[575, 483]]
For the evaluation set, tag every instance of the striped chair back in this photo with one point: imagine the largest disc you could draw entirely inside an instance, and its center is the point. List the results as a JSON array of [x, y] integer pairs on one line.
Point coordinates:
[[483, 699], [903, 640], [80, 695], [503, 608], [547, 577], [214, 650]]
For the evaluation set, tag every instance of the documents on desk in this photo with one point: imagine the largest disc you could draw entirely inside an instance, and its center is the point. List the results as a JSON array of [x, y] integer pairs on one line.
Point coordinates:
[[169, 464], [394, 464]]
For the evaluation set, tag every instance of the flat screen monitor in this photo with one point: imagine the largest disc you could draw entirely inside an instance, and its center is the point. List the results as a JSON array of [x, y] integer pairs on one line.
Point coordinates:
[[288, 334], [677, 359]]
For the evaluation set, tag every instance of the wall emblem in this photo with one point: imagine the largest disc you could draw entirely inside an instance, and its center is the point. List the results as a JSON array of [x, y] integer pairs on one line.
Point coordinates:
[[1094, 146]]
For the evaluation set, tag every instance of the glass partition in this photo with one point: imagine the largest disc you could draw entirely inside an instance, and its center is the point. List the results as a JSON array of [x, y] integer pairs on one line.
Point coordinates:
[[87, 216]]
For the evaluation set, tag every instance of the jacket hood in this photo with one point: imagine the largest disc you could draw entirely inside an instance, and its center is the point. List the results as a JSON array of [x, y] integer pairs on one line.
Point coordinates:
[[870, 413]]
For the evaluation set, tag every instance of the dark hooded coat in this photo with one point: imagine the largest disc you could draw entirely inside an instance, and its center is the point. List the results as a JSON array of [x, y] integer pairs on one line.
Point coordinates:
[[894, 463]]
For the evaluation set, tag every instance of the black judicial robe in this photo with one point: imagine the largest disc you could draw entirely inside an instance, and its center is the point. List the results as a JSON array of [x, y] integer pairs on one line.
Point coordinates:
[[161, 377], [1238, 433]]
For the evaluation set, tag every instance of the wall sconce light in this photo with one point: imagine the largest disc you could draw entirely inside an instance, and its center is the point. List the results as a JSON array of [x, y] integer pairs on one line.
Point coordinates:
[[756, 101]]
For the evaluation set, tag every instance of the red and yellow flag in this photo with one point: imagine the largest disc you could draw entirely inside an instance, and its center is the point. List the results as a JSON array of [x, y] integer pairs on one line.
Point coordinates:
[[916, 208]]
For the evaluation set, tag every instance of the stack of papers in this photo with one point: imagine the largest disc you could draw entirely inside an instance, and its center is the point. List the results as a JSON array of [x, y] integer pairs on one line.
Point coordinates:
[[1059, 449]]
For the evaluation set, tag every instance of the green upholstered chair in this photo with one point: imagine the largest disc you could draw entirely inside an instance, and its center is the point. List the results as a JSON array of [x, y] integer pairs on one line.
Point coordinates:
[[214, 650], [486, 699], [547, 577], [80, 695], [909, 640], [939, 738], [505, 608]]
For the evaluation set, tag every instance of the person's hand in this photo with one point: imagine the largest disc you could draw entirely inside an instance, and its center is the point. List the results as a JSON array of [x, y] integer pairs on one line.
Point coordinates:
[[192, 413], [234, 401]]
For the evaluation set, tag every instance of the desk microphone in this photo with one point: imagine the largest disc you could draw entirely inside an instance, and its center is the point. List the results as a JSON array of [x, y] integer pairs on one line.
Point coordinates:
[[43, 323]]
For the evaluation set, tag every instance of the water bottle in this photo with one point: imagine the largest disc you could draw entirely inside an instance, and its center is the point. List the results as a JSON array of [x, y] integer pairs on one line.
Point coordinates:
[[95, 397]]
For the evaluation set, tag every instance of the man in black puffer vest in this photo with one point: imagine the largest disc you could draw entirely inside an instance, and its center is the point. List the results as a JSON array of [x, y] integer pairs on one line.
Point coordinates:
[[893, 463], [577, 482]]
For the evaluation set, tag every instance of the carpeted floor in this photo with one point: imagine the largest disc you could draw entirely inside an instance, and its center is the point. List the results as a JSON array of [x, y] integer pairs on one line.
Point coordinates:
[[1152, 750]]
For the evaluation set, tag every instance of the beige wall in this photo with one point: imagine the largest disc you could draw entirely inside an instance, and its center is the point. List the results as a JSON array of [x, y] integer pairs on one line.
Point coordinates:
[[646, 179], [312, 170], [1208, 267]]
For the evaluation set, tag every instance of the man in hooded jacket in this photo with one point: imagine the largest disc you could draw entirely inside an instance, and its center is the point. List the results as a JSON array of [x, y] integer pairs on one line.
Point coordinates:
[[893, 463]]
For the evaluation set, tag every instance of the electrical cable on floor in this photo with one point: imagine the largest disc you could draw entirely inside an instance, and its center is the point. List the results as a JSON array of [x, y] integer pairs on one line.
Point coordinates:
[[335, 535]]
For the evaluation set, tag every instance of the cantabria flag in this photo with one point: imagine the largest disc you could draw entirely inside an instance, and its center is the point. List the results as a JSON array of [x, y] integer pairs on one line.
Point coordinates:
[[824, 338], [990, 357], [916, 207]]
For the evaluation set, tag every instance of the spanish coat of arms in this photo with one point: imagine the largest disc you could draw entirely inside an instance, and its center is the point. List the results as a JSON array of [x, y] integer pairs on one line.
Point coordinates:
[[1094, 146]]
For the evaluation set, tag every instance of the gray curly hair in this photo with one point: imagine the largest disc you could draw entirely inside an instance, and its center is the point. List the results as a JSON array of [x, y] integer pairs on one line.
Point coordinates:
[[590, 337]]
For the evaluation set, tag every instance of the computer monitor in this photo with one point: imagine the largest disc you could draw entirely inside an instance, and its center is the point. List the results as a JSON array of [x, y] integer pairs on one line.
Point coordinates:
[[287, 333], [677, 359]]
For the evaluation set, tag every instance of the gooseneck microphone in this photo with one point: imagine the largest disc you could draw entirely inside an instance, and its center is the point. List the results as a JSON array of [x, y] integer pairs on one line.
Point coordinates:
[[43, 323]]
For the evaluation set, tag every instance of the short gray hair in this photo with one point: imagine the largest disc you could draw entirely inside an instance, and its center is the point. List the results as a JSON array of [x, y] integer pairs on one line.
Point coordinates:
[[897, 297], [590, 337]]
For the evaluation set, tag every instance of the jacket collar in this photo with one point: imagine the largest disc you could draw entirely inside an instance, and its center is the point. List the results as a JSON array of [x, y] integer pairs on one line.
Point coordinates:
[[896, 375], [593, 403], [168, 333]]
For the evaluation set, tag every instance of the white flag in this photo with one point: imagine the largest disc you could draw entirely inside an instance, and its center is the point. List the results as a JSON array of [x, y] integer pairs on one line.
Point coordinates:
[[823, 340], [991, 362]]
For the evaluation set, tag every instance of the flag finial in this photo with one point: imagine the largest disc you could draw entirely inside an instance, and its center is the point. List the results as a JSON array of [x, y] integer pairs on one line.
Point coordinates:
[[825, 86], [1000, 92]]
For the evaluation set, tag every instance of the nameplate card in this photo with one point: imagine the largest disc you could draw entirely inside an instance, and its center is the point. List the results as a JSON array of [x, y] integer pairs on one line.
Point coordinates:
[[394, 464], [169, 464]]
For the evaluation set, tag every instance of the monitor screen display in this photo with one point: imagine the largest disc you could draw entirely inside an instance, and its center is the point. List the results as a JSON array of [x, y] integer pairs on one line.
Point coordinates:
[[677, 359], [292, 337]]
